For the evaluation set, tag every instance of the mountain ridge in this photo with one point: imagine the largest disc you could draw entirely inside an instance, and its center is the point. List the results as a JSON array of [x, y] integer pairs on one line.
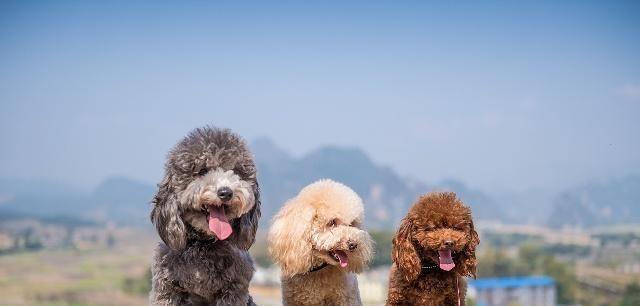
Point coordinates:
[[387, 194]]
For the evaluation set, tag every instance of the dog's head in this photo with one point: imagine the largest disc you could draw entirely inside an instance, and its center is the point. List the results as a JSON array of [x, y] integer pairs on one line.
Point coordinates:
[[438, 231], [322, 224], [209, 191]]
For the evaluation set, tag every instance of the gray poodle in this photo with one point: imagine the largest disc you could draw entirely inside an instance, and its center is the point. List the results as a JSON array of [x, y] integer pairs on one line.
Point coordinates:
[[206, 212]]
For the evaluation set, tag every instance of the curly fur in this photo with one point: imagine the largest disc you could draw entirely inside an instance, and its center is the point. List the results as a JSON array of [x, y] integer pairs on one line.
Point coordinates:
[[325, 217], [415, 278], [191, 266]]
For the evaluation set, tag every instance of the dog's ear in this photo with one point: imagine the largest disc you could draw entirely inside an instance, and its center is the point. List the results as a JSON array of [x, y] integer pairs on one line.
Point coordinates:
[[165, 215], [244, 231], [469, 261], [290, 238], [404, 253]]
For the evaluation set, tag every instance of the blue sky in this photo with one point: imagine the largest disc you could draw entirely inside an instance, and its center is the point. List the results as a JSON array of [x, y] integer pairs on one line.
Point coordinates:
[[503, 95]]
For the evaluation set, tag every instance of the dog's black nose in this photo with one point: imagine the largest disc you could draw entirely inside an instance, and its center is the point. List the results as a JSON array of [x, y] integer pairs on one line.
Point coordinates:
[[352, 245], [225, 193], [448, 243]]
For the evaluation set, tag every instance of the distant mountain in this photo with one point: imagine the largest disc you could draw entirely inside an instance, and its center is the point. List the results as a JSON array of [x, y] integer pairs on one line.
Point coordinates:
[[282, 176], [597, 204], [386, 194], [10, 187], [525, 207], [118, 200], [123, 199], [483, 206]]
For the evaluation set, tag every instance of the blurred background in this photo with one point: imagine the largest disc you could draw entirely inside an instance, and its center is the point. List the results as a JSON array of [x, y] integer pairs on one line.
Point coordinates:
[[528, 110]]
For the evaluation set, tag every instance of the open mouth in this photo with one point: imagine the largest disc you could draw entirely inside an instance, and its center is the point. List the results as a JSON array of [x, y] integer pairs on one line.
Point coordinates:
[[445, 260], [341, 257], [218, 222]]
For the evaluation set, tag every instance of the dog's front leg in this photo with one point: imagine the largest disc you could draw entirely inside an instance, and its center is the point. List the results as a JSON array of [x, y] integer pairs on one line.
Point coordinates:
[[234, 299], [164, 291]]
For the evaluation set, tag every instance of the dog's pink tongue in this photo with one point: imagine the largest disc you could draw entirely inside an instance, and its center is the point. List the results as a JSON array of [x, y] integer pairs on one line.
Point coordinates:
[[342, 258], [446, 261], [218, 222]]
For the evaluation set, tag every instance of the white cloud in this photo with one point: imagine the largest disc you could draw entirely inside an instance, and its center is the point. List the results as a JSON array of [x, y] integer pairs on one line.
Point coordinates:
[[629, 91]]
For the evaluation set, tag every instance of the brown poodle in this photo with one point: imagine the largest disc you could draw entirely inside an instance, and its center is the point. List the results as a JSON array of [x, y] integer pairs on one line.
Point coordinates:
[[433, 250], [318, 240]]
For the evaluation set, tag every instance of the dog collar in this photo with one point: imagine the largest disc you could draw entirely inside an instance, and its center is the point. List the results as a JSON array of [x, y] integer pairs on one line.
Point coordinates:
[[320, 267], [429, 267]]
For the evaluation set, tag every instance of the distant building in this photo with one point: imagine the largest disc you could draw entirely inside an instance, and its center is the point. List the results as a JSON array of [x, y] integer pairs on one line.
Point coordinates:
[[267, 276], [521, 291], [373, 285], [7, 242]]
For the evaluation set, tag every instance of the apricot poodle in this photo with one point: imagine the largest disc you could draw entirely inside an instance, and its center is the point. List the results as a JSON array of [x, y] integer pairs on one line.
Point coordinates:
[[433, 250], [319, 242]]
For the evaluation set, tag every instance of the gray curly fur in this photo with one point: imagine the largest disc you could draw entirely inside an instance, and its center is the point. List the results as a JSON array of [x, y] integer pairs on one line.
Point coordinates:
[[191, 267]]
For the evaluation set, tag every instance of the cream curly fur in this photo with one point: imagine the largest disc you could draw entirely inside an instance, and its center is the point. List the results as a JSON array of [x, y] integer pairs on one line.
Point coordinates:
[[325, 217]]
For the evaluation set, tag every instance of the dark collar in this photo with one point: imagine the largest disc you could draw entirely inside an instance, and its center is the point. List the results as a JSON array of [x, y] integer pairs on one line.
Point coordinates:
[[429, 265], [318, 268]]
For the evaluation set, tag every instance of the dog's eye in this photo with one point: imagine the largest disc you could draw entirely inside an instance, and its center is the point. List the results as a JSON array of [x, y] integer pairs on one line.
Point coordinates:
[[332, 223], [203, 171]]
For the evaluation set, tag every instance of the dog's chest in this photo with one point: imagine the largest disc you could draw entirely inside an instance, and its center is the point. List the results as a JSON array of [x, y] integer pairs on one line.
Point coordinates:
[[322, 289], [206, 271], [218, 261], [437, 291]]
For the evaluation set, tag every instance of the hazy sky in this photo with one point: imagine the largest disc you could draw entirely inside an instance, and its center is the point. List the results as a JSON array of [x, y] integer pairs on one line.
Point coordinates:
[[502, 95]]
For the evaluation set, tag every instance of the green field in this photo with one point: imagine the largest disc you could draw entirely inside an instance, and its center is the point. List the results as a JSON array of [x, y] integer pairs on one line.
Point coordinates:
[[116, 276], [77, 277]]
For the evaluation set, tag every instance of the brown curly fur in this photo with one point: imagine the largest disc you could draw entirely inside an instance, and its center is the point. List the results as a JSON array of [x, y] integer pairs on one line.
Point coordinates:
[[436, 217]]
